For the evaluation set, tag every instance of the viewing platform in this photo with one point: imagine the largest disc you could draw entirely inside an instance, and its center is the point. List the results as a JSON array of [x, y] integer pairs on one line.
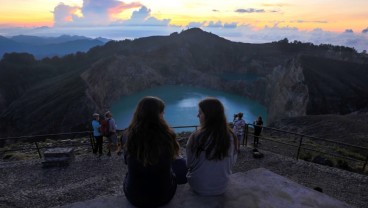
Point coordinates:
[[257, 188]]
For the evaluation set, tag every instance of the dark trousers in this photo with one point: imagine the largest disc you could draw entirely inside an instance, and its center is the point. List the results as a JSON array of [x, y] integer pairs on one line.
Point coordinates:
[[256, 138], [98, 145]]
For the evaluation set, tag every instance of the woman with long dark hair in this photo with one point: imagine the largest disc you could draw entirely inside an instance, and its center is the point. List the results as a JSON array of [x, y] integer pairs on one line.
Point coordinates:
[[151, 148], [211, 150]]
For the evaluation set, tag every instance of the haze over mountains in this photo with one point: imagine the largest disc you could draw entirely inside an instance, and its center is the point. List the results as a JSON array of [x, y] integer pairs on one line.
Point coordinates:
[[42, 47], [59, 94]]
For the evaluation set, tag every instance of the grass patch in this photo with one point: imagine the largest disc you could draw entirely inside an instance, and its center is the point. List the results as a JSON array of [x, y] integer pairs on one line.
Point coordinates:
[[306, 155], [349, 153], [15, 156]]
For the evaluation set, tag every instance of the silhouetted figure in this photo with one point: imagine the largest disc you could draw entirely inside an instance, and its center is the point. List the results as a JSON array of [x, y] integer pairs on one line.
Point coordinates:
[[211, 150], [258, 124], [151, 148]]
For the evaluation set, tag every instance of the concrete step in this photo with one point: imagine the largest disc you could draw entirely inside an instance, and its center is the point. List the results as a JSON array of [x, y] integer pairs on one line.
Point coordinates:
[[257, 188]]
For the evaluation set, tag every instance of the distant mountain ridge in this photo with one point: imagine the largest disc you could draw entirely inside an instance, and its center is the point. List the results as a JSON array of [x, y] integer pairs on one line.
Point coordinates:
[[42, 47], [295, 79]]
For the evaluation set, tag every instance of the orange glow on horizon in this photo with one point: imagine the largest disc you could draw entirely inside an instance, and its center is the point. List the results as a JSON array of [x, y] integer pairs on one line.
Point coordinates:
[[328, 15]]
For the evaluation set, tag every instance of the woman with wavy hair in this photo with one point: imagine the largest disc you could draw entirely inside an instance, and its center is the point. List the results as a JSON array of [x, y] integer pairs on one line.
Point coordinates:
[[151, 148], [211, 150]]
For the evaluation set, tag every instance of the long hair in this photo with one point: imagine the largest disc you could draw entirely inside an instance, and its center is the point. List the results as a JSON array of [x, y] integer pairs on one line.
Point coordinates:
[[148, 135], [214, 133]]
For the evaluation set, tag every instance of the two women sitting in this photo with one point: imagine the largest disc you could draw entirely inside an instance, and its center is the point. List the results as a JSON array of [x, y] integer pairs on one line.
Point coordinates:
[[152, 154]]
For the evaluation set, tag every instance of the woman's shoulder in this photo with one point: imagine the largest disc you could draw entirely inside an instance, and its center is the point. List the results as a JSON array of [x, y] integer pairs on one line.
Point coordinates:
[[195, 135]]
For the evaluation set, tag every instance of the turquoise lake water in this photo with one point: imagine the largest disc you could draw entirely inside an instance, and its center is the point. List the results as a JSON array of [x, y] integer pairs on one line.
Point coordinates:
[[181, 105]]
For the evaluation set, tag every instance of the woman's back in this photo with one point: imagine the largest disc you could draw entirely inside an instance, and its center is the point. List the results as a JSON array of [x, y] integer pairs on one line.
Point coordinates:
[[150, 149], [211, 150], [208, 177], [150, 185]]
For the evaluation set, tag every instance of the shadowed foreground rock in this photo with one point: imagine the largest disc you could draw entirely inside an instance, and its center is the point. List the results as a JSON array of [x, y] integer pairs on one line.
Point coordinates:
[[255, 188]]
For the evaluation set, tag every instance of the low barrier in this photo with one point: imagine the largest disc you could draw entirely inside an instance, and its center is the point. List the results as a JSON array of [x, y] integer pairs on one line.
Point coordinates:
[[301, 143], [306, 143]]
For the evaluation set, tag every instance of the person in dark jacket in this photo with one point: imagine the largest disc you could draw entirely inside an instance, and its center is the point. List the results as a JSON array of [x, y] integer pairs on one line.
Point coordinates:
[[150, 150], [258, 124]]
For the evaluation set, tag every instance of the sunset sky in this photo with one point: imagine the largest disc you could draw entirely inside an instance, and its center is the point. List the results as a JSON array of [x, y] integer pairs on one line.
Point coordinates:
[[343, 22]]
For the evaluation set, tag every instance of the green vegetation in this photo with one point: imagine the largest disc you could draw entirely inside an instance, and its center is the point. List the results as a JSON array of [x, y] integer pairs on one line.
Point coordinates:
[[349, 153], [322, 152]]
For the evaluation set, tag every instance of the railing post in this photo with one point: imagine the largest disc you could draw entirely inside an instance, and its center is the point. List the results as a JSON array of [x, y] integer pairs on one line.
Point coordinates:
[[300, 145], [91, 140], [365, 164], [246, 135], [38, 150]]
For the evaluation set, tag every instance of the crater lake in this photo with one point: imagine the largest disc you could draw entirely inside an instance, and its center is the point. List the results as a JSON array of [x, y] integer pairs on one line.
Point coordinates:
[[181, 105]]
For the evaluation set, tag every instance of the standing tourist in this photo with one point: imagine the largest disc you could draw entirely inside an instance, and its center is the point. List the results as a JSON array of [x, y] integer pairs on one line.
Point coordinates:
[[97, 134], [239, 125], [111, 136], [150, 150], [258, 124], [211, 150]]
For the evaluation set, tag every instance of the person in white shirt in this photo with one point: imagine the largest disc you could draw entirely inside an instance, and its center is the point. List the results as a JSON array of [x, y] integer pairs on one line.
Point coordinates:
[[239, 125], [211, 150]]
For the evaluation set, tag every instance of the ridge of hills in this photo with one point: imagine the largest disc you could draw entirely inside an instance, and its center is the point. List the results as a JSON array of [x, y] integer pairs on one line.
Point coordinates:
[[42, 47], [294, 79]]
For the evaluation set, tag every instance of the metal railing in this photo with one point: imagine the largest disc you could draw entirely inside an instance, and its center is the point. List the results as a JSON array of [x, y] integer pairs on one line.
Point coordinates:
[[302, 142], [37, 140], [298, 141]]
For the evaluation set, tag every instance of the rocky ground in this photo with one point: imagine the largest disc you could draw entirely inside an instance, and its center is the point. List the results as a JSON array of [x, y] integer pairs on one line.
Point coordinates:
[[27, 184]]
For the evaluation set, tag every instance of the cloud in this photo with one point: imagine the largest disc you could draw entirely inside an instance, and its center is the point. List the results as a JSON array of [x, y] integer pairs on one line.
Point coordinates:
[[365, 30], [212, 24], [64, 14], [121, 6], [143, 17], [248, 34], [219, 24], [215, 24], [103, 13], [308, 21], [215, 10], [349, 31], [250, 10], [93, 12], [195, 24], [230, 25]]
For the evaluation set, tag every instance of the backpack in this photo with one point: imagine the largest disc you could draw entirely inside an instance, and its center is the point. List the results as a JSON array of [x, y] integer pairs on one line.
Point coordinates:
[[105, 127]]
